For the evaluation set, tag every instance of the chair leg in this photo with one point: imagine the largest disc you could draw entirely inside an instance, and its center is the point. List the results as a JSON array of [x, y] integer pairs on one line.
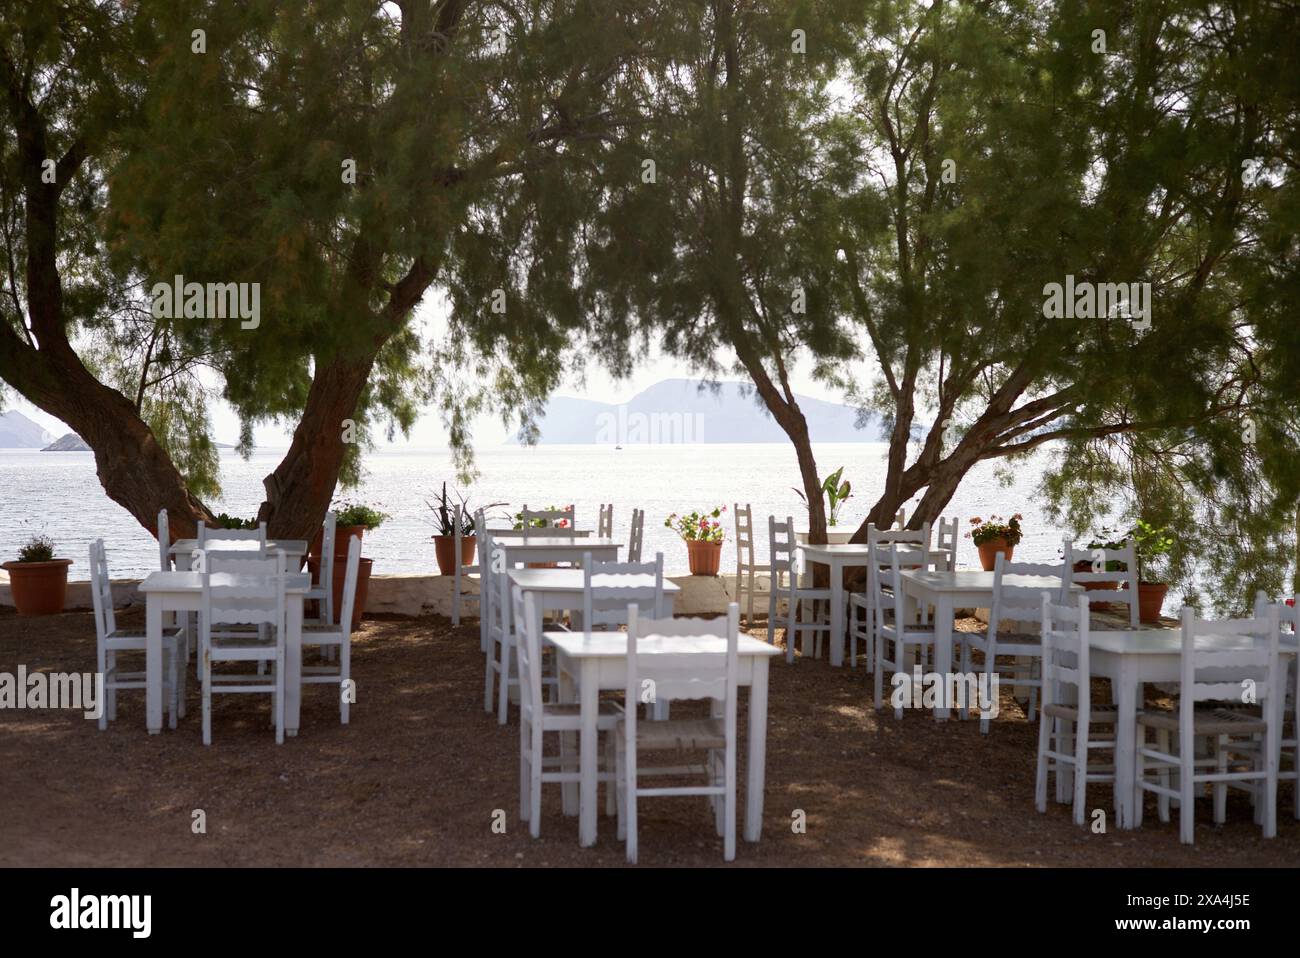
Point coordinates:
[[101, 662], [525, 739], [1080, 772], [1040, 774], [489, 668], [173, 700], [1220, 789], [111, 706], [207, 697], [1162, 801], [503, 698], [611, 803], [1187, 799], [278, 679], [1139, 776]]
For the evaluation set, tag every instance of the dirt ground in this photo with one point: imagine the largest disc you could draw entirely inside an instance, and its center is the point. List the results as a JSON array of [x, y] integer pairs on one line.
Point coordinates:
[[417, 775]]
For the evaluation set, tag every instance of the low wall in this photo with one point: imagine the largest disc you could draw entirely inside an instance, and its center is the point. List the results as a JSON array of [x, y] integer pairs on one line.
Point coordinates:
[[413, 595]]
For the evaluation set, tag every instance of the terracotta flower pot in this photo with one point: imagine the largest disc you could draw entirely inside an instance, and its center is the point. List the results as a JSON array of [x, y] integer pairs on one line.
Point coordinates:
[[989, 552], [445, 549], [1151, 599], [342, 536], [705, 557], [39, 588], [340, 574]]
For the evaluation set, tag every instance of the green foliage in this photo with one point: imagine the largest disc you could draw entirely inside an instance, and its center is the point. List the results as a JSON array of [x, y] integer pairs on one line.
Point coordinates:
[[226, 521], [355, 514], [444, 512], [1153, 547], [835, 491], [518, 518], [993, 529], [38, 548]]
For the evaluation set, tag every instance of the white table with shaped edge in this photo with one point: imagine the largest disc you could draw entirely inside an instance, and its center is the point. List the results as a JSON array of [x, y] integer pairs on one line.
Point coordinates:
[[541, 549], [841, 556], [963, 588], [554, 590], [182, 550], [1130, 658], [597, 661], [183, 592]]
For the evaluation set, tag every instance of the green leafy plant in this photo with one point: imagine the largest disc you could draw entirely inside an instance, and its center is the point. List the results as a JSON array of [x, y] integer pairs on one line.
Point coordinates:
[[1111, 545], [993, 528], [444, 512], [835, 492], [37, 549], [1153, 547], [698, 526], [354, 514], [518, 518], [224, 520]]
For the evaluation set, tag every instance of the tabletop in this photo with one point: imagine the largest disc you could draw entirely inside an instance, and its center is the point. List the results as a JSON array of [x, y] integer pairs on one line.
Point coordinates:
[[291, 546], [975, 581], [603, 645], [572, 580], [1170, 642], [193, 581], [861, 549]]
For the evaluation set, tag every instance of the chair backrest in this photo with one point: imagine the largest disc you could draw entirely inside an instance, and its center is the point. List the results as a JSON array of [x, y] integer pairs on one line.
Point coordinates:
[[101, 591], [947, 538], [1021, 603], [236, 562], [1254, 661], [1288, 617], [604, 604], [1097, 560], [549, 523], [350, 576], [917, 538], [528, 644], [605, 522], [206, 535], [327, 547], [780, 539], [744, 536], [888, 575], [637, 536], [1066, 653], [499, 615], [164, 542], [257, 599], [681, 675]]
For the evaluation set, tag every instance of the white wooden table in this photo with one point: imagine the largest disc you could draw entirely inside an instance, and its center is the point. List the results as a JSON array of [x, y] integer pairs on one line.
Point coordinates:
[[961, 588], [840, 556], [1130, 658], [182, 550], [594, 661], [183, 592]]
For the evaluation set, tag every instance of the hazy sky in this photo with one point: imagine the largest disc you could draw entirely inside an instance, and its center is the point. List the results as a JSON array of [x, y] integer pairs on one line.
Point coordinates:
[[428, 431]]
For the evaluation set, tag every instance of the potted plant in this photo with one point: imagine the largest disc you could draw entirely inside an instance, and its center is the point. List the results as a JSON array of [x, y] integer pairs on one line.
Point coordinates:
[[835, 493], [992, 536], [703, 534], [350, 519], [223, 520], [444, 542], [1112, 565], [1153, 546], [38, 581]]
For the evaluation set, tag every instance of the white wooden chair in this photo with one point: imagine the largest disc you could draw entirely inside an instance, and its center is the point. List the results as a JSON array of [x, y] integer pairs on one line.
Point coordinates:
[[862, 627], [1015, 606], [1289, 747], [499, 670], [339, 636], [1127, 579], [747, 570], [322, 590], [894, 636], [678, 676], [1065, 721], [463, 573], [637, 536], [110, 640], [1210, 674], [785, 584], [605, 523], [256, 601], [207, 536], [537, 717], [164, 542], [604, 607], [946, 539]]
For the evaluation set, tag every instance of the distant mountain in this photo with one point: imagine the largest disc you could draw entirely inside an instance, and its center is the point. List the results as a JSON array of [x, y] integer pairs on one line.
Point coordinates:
[[676, 410], [19, 432], [69, 443]]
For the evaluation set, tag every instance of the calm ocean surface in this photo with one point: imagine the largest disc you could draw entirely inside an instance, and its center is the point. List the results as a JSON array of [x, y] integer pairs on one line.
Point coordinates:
[[60, 495]]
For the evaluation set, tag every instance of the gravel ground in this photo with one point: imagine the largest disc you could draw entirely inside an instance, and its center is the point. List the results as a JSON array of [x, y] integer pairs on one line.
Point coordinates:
[[417, 776]]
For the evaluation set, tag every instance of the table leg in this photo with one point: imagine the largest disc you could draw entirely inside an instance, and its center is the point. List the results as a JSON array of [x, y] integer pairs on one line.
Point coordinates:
[[568, 790], [942, 643], [836, 641], [1125, 741], [293, 664], [153, 664], [757, 763], [587, 811]]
